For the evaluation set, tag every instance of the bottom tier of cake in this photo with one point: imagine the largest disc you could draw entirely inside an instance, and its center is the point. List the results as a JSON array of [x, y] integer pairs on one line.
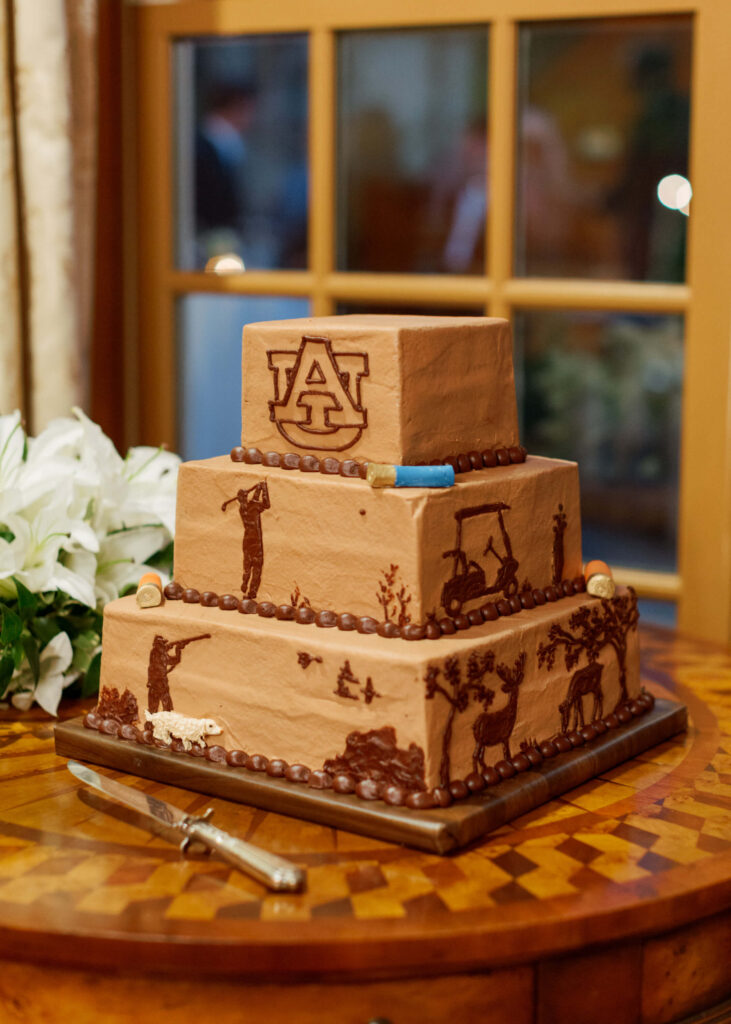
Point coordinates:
[[414, 723]]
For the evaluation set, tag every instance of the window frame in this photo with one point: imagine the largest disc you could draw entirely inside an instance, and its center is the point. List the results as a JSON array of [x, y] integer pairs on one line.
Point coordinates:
[[702, 585]]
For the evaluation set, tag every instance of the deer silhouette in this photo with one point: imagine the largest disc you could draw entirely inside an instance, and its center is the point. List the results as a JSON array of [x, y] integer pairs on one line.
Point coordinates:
[[493, 727], [586, 680]]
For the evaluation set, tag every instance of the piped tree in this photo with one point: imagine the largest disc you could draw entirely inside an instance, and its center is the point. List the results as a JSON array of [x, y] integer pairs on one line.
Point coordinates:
[[457, 690], [393, 598], [594, 627]]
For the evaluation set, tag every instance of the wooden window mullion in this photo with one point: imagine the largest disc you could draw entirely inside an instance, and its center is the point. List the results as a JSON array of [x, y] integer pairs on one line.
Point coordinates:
[[501, 132], [322, 56]]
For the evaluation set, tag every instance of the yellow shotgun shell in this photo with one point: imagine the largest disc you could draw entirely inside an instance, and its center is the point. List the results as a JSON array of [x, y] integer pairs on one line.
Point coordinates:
[[380, 475]]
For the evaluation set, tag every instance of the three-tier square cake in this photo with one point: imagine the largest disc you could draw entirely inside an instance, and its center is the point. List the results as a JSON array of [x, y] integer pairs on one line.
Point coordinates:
[[405, 644]]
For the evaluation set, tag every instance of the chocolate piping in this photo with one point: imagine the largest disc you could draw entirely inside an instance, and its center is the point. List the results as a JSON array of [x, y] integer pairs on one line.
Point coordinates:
[[315, 371], [371, 789], [431, 630], [463, 463]]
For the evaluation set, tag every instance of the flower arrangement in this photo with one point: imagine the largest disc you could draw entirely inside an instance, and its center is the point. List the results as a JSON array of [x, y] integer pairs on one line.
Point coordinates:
[[79, 525]]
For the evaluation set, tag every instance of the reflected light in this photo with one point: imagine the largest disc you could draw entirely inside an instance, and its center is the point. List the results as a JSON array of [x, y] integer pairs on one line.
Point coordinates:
[[600, 143], [226, 263], [674, 191]]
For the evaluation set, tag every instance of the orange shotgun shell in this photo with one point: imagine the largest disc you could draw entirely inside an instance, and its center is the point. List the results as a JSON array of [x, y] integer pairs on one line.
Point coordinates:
[[149, 590], [599, 579]]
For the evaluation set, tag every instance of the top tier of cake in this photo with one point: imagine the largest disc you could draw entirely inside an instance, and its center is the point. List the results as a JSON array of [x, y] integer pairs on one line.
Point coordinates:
[[404, 390]]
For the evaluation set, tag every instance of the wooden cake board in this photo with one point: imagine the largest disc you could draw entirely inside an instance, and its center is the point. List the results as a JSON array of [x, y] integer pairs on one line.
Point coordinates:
[[440, 830]]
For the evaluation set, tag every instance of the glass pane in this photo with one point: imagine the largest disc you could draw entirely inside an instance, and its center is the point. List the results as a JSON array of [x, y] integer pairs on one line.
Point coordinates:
[[604, 390], [603, 120], [407, 309], [412, 150], [209, 361], [659, 613], [241, 153]]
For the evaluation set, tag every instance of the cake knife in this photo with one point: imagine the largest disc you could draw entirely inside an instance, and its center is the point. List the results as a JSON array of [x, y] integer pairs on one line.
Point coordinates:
[[273, 871]]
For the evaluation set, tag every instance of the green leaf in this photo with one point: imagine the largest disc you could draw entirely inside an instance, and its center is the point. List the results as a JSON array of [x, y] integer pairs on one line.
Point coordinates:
[[11, 628], [72, 619], [45, 627], [7, 667], [162, 559], [90, 682], [32, 653], [85, 645], [73, 690], [27, 601], [7, 535], [18, 652]]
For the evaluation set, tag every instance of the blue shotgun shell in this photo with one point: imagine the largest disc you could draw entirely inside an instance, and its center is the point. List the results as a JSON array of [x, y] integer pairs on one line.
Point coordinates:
[[424, 476]]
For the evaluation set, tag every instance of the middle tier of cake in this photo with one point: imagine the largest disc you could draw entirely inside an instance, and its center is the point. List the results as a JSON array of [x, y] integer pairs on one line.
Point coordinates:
[[401, 555]]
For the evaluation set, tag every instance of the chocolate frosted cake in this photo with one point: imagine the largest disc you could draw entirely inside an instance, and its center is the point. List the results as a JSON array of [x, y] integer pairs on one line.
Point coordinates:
[[405, 643]]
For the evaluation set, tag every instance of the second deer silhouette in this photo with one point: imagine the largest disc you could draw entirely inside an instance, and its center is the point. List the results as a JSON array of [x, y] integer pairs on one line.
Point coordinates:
[[493, 727], [586, 680]]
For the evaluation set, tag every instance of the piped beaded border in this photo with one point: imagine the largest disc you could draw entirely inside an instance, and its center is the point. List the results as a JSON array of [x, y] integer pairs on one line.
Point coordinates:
[[431, 630], [372, 789], [463, 463]]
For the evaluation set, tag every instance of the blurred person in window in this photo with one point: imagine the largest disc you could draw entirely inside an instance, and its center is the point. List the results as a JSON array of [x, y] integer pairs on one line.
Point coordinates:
[[549, 195], [657, 146], [463, 249], [377, 197], [220, 167], [545, 190]]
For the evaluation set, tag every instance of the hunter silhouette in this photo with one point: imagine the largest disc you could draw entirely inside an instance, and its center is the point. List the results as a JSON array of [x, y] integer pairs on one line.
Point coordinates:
[[161, 664]]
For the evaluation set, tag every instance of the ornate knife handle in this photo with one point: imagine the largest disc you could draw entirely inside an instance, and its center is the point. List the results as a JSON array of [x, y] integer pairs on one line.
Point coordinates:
[[273, 871]]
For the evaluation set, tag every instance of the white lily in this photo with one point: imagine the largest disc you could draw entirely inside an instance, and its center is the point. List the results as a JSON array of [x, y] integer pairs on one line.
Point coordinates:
[[54, 677], [123, 557], [152, 476], [76, 517], [12, 448], [44, 556], [75, 450], [12, 445]]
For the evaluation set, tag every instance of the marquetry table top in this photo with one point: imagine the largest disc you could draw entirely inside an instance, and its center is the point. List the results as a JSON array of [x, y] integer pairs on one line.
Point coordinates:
[[645, 847]]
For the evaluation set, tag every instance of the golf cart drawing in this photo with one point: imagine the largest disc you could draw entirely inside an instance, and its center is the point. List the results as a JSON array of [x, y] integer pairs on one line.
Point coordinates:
[[468, 580]]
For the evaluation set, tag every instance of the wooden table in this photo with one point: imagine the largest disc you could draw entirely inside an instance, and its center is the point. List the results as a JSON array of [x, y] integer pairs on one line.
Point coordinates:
[[612, 903]]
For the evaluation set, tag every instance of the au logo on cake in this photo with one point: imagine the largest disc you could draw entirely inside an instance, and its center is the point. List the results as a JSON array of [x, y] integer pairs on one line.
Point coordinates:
[[317, 401]]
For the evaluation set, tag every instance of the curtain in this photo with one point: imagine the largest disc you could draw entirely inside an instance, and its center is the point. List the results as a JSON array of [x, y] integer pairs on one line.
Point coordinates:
[[47, 186]]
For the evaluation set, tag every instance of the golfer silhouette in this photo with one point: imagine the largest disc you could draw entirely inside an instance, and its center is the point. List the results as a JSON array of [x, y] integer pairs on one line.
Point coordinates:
[[559, 529], [252, 502]]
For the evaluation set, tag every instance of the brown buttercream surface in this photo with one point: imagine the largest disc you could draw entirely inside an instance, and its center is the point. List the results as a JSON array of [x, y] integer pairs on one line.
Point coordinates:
[[387, 553], [297, 692], [394, 389]]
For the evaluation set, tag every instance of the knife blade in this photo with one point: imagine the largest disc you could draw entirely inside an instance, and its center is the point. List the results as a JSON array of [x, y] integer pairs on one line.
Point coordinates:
[[273, 871]]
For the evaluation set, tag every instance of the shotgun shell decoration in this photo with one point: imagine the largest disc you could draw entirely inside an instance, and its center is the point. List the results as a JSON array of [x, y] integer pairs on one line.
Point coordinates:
[[149, 590], [599, 579], [382, 475]]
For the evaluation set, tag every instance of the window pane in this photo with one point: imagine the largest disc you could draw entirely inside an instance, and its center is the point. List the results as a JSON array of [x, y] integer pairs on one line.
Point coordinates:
[[412, 150], [605, 390], [407, 309], [209, 360], [603, 119], [659, 613], [241, 152]]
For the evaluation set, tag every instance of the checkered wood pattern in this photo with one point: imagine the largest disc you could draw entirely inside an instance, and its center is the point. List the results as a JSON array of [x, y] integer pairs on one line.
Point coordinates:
[[638, 828]]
